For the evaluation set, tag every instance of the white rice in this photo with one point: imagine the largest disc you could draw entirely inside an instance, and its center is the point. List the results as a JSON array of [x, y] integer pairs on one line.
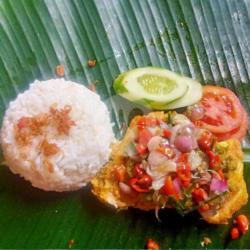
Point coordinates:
[[82, 153]]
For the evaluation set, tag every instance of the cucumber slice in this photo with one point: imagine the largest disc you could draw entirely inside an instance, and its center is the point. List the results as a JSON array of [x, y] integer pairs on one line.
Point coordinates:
[[193, 95], [156, 85]]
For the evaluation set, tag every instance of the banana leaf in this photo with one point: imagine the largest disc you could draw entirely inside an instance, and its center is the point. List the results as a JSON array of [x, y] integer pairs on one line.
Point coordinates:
[[208, 40]]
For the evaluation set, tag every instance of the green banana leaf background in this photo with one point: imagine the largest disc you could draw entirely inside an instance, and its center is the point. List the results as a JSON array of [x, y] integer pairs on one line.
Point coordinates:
[[208, 40]]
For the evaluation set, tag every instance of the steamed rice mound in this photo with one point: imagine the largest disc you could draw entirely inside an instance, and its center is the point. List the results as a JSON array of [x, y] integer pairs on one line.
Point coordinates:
[[69, 130]]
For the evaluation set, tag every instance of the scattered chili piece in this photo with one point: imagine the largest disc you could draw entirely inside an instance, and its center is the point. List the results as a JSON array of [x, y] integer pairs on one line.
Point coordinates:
[[206, 241], [91, 63], [152, 245], [235, 234], [71, 243], [60, 71], [242, 223]]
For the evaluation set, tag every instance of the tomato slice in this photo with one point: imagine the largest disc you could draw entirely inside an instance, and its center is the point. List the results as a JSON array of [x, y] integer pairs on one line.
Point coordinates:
[[238, 133], [222, 110]]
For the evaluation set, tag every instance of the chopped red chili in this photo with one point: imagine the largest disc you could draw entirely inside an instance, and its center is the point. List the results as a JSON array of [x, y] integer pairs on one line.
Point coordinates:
[[152, 245], [138, 171], [147, 121], [141, 149], [167, 133], [242, 223], [142, 184], [184, 173], [214, 159], [144, 135], [235, 234], [204, 208], [205, 142], [199, 195], [169, 188]]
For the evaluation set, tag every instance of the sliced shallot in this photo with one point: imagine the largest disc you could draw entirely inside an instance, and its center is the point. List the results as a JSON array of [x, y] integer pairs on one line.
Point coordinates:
[[155, 158], [154, 143], [159, 171], [218, 186], [184, 143], [181, 119], [126, 189], [157, 184], [196, 113], [194, 159]]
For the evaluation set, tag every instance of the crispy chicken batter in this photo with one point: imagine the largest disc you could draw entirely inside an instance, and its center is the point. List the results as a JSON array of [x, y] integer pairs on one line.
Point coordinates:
[[106, 187], [232, 155]]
